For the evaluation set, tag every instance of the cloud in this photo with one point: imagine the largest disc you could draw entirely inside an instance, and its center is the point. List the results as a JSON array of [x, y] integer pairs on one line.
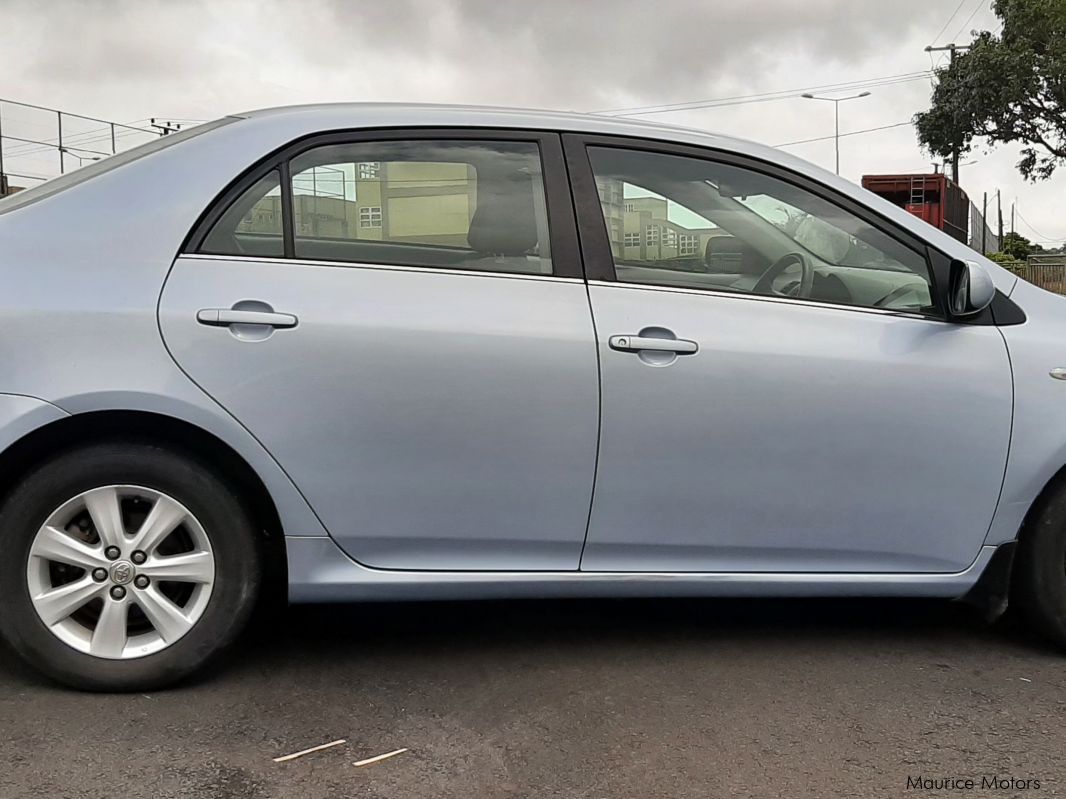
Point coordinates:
[[586, 54], [563, 53], [131, 59]]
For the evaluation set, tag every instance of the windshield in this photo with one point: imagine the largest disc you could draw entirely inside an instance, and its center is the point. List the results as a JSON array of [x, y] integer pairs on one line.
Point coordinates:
[[79, 176]]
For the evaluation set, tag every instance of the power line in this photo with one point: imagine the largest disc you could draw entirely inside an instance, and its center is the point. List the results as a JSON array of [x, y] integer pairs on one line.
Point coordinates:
[[842, 135], [1055, 239], [953, 13], [980, 4], [765, 96], [768, 96], [53, 147], [4, 101], [28, 177], [49, 146]]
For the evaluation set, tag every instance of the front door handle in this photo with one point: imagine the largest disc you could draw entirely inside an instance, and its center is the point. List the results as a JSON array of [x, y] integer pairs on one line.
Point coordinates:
[[224, 317], [644, 343]]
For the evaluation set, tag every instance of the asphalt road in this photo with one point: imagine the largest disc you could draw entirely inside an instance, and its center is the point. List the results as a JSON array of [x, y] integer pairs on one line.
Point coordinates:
[[568, 699]]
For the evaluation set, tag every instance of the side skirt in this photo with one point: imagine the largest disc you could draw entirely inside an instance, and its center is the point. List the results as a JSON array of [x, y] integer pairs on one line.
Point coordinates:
[[320, 572]]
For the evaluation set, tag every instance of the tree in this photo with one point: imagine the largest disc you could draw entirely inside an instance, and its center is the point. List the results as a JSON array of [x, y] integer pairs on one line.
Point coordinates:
[[1005, 89], [1018, 246]]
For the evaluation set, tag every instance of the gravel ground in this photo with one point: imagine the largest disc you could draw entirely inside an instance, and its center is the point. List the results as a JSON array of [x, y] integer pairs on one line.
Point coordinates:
[[568, 699]]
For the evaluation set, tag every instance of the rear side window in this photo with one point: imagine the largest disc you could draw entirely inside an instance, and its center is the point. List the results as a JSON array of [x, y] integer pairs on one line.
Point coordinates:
[[451, 204], [252, 225]]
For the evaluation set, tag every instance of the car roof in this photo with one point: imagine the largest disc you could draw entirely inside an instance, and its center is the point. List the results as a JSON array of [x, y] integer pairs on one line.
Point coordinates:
[[431, 114]]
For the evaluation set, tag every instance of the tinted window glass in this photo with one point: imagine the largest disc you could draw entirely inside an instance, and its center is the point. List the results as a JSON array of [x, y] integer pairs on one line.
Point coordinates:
[[445, 204], [687, 222], [252, 225]]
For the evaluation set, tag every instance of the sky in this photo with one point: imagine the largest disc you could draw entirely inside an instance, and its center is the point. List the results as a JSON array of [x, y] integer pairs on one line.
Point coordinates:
[[129, 60]]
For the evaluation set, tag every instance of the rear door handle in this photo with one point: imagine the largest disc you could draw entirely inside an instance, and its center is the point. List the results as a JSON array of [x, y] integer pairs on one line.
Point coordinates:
[[224, 317], [637, 343]]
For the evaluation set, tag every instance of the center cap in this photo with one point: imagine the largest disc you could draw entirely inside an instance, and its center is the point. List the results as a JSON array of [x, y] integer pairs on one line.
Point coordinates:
[[122, 572]]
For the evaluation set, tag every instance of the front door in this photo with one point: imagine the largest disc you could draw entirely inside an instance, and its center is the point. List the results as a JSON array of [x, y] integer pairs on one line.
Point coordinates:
[[391, 318], [780, 391]]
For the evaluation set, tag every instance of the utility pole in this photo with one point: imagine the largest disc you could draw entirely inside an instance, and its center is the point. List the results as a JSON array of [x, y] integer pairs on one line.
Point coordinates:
[[999, 213], [3, 177], [1012, 221], [165, 128], [953, 49], [984, 224]]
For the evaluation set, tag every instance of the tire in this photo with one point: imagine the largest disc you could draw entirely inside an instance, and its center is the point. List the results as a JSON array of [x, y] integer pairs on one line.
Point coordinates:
[[1038, 584], [137, 650]]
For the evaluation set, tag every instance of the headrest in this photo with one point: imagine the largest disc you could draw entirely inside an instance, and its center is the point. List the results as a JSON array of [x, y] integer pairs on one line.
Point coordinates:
[[505, 221]]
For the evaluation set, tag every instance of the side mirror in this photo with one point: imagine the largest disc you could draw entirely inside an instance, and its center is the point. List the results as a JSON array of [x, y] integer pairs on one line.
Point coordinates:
[[970, 288]]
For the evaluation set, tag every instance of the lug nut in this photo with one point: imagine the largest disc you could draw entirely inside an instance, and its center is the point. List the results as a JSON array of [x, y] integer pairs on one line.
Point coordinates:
[[118, 592], [99, 575], [141, 581], [138, 557], [112, 553]]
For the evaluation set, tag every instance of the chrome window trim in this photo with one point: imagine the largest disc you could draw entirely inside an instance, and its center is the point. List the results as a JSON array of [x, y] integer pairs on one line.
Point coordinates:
[[383, 267], [738, 295]]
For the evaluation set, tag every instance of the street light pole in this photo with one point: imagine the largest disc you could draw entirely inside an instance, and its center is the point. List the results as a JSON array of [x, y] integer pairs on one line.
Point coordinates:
[[836, 101]]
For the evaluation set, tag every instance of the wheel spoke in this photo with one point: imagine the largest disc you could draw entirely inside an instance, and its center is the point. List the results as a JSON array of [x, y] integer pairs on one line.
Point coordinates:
[[190, 567], [106, 513], [83, 592], [109, 637], [167, 618], [165, 515], [54, 544], [57, 604]]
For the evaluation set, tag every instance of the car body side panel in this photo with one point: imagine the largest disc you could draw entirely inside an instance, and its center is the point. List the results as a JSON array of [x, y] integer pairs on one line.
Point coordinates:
[[297, 517], [435, 419], [319, 571], [799, 438], [1038, 438], [20, 415]]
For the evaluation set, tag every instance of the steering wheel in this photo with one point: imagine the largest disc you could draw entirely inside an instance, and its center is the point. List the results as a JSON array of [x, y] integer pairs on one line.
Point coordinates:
[[765, 284]]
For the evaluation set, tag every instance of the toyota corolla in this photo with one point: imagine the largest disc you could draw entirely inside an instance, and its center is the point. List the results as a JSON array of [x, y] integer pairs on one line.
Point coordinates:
[[410, 352]]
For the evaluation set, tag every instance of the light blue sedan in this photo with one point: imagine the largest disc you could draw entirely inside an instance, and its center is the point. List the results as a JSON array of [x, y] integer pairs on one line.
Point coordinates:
[[412, 352]]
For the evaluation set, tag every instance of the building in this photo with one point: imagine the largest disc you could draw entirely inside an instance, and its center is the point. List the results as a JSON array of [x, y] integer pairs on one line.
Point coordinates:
[[639, 228], [420, 203]]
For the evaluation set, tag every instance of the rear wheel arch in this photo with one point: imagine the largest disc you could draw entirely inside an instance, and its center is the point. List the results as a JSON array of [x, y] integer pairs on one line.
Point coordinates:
[[45, 442]]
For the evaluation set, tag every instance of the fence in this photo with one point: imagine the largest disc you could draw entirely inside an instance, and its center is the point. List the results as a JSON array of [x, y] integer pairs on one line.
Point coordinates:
[[981, 238], [1046, 271], [38, 143]]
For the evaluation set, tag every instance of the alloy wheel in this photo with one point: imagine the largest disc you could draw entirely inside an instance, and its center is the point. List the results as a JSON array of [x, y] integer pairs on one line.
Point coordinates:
[[120, 571]]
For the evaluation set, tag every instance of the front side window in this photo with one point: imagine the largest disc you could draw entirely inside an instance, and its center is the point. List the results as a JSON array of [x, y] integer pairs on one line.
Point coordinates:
[[735, 229], [447, 204]]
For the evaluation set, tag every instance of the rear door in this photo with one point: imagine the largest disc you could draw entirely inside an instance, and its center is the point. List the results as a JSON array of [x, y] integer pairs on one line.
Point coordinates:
[[780, 390], [402, 321]]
